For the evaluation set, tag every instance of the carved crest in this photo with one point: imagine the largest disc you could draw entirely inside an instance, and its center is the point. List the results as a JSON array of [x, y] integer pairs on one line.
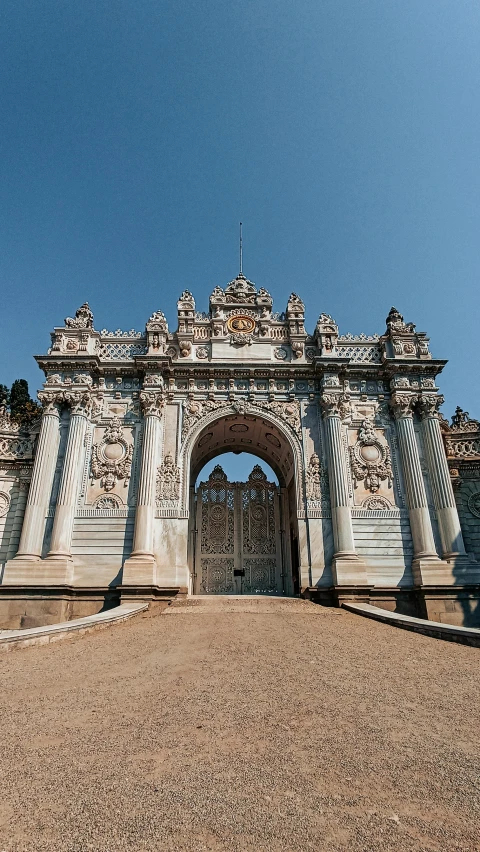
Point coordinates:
[[112, 457], [370, 459]]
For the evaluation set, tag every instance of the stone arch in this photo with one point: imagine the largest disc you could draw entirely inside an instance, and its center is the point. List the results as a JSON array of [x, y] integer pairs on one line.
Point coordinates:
[[266, 430], [235, 427]]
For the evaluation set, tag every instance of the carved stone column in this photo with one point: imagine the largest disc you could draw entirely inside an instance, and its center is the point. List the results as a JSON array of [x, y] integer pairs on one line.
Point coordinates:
[[20, 569], [464, 569], [141, 569], [60, 556], [424, 551], [347, 568]]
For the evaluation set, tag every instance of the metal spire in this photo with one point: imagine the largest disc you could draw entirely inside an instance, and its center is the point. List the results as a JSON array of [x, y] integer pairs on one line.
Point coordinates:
[[241, 250]]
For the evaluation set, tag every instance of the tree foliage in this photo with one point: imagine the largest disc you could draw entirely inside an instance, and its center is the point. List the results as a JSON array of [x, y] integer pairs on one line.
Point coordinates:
[[22, 407]]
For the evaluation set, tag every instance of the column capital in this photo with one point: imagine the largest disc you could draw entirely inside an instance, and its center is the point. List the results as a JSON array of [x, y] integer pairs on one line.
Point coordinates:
[[429, 403], [335, 403], [402, 403], [153, 403], [79, 402], [51, 401]]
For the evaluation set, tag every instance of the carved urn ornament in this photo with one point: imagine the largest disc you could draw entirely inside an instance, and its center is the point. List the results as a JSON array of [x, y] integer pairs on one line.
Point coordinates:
[[112, 457]]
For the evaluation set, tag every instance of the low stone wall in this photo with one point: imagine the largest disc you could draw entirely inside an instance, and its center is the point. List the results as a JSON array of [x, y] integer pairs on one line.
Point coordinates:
[[436, 629], [12, 639]]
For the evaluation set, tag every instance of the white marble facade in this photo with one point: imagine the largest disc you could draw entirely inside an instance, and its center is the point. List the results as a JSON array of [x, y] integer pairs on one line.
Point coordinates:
[[100, 495]]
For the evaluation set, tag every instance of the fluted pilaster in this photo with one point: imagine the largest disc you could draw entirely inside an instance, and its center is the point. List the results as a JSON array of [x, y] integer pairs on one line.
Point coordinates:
[[448, 520], [420, 521], [61, 541], [140, 568], [143, 535], [347, 568], [33, 528]]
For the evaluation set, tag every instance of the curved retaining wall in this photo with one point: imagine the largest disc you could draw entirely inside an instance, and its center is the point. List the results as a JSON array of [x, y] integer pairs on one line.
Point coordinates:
[[464, 635], [11, 639]]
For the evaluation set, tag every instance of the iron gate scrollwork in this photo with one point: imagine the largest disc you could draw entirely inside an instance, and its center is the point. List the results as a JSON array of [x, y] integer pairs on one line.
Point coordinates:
[[238, 536]]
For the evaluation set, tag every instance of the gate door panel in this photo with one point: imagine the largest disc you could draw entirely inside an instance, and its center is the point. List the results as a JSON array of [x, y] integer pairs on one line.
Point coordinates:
[[238, 549]]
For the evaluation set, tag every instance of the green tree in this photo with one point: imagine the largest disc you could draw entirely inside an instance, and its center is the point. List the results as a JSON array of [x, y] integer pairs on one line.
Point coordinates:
[[4, 396], [22, 406]]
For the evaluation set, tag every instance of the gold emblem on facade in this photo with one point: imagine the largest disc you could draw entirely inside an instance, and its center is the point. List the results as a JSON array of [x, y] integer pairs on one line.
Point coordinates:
[[241, 324]]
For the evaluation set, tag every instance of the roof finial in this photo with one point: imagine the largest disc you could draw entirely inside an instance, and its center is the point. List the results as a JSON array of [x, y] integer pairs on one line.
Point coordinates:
[[241, 250]]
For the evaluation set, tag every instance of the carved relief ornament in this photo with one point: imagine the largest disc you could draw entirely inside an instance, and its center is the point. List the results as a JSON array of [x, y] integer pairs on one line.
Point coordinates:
[[370, 459], [112, 457], [80, 402], [402, 404], [335, 404], [168, 480], [428, 404], [83, 318], [313, 475], [51, 401], [289, 412], [152, 403]]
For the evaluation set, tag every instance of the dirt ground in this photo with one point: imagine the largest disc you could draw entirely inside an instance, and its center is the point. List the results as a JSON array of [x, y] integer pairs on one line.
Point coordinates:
[[241, 725]]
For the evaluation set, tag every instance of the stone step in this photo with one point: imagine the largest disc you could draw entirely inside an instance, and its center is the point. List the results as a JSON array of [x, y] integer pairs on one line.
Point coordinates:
[[196, 604]]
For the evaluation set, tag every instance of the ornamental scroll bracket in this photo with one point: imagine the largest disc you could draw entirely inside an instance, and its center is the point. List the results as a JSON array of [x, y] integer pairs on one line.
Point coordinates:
[[370, 459], [112, 457]]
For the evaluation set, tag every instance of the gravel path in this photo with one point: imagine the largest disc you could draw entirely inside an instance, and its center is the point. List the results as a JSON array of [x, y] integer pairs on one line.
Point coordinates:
[[241, 725]]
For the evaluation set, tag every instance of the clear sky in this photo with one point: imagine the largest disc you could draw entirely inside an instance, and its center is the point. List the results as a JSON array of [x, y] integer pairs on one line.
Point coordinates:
[[345, 135]]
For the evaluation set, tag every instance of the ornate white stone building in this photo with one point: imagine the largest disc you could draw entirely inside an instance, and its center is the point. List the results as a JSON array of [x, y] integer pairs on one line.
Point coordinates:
[[98, 501]]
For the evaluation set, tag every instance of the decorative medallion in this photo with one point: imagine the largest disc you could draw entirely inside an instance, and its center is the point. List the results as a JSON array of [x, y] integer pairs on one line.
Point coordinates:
[[112, 457], [239, 427], [474, 504], [201, 352], [4, 503], [241, 324], [377, 503], [108, 502], [370, 459], [280, 353]]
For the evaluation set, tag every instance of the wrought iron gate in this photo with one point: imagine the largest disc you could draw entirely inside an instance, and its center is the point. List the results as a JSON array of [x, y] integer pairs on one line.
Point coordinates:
[[238, 539]]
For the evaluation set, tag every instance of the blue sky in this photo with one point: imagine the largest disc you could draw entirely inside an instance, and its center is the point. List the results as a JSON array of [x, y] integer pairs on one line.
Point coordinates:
[[345, 135]]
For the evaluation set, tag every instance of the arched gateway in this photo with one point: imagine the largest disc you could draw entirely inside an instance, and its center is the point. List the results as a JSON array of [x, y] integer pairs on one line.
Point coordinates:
[[364, 506]]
